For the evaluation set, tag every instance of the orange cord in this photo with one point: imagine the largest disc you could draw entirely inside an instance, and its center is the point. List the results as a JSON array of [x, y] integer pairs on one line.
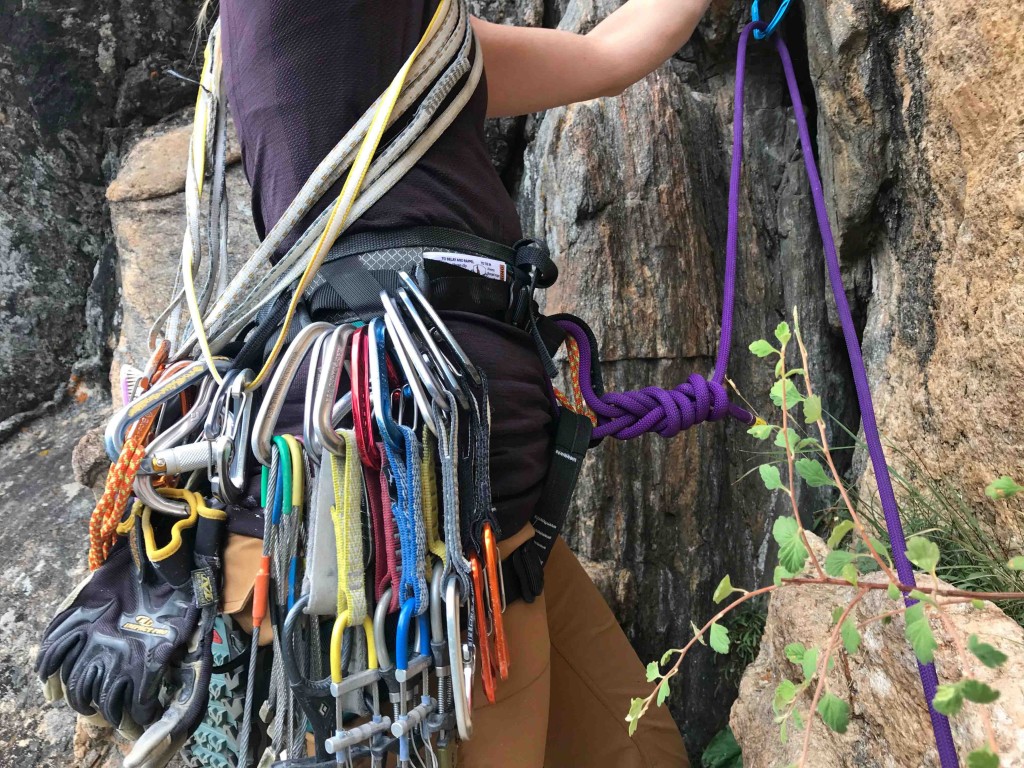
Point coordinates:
[[110, 507], [577, 404]]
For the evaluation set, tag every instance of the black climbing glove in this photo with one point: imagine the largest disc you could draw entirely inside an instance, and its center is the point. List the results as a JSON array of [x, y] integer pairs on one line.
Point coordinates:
[[137, 632]]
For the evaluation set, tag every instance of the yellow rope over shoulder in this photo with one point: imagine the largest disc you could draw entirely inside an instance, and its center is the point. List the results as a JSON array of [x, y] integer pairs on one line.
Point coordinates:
[[339, 217]]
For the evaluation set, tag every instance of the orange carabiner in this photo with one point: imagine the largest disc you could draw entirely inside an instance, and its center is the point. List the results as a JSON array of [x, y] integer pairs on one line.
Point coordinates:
[[496, 590], [483, 639]]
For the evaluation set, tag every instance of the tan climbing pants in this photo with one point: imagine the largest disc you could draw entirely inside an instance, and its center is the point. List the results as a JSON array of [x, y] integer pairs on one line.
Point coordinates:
[[573, 673]]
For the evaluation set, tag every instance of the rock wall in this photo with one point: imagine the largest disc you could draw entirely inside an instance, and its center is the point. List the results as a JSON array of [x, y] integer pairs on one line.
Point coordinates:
[[918, 130], [889, 723]]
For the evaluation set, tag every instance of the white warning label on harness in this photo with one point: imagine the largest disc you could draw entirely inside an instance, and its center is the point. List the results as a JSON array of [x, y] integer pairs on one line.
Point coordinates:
[[495, 269]]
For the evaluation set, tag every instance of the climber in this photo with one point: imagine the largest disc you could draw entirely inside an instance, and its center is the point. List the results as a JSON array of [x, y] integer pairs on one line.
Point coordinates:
[[298, 75]]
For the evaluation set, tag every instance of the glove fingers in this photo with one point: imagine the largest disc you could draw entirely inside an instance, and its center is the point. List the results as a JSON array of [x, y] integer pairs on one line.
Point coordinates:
[[53, 654], [114, 696], [78, 680]]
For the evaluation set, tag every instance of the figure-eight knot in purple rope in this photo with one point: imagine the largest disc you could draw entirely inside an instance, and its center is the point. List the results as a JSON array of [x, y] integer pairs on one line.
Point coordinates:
[[626, 415]]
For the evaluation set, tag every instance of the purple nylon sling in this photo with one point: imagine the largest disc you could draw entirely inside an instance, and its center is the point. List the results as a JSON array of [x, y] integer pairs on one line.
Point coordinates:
[[628, 414]]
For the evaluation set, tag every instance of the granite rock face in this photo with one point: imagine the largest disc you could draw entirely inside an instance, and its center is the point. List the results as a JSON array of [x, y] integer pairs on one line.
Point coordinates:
[[74, 78], [917, 126], [889, 724]]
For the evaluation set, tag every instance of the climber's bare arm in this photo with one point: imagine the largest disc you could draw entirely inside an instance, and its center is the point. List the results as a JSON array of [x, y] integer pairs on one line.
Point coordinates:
[[530, 69]]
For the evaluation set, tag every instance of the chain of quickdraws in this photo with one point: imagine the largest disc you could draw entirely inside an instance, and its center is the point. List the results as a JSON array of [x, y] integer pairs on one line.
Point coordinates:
[[379, 573]]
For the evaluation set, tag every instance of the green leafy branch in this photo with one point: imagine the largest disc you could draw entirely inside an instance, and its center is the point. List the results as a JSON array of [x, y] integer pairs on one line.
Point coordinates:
[[841, 567]]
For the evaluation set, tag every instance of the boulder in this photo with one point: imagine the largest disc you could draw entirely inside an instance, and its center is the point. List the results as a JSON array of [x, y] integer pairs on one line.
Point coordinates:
[[147, 213], [889, 724]]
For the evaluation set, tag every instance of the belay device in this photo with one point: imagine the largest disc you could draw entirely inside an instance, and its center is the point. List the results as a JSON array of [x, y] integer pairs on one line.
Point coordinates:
[[307, 454]]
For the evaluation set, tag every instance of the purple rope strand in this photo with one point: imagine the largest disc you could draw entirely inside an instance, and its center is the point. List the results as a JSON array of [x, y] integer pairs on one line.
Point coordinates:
[[929, 678], [626, 415]]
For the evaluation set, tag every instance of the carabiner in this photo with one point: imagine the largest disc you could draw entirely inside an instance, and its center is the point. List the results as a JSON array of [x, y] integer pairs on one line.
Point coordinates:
[[230, 417], [325, 410], [288, 365], [484, 641], [496, 592], [445, 335], [362, 405], [463, 660], [755, 15]]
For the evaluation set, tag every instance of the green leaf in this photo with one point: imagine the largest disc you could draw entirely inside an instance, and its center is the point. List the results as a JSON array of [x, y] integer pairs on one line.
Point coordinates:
[[798, 720], [785, 693], [762, 348], [982, 758], [837, 613], [919, 633], [851, 637], [653, 672], [780, 574], [724, 589], [719, 638], [779, 369], [850, 573], [792, 552], [795, 652], [893, 592], [988, 655], [923, 553], [784, 731], [976, 603], [663, 692], [978, 692], [770, 476], [1003, 488], [722, 751], [835, 712], [1016, 563], [813, 473], [839, 533], [808, 442], [633, 717], [917, 594], [948, 699], [780, 438], [696, 633], [782, 332], [809, 663], [760, 431], [792, 395], [836, 560], [812, 409]]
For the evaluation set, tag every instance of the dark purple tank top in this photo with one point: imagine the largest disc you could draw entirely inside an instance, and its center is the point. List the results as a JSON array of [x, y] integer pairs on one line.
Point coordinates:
[[299, 73]]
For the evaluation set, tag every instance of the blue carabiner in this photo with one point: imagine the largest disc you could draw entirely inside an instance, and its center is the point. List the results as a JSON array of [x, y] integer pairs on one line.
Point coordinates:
[[755, 15], [405, 619]]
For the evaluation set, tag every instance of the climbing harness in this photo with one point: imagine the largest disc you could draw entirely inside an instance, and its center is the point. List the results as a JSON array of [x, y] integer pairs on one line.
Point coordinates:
[[372, 575]]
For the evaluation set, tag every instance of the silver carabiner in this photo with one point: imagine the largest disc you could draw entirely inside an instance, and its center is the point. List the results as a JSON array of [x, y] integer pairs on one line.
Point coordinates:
[[270, 410], [324, 409]]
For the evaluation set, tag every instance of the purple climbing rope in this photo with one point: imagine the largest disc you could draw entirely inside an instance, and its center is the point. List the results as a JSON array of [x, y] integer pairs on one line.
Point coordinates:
[[629, 414]]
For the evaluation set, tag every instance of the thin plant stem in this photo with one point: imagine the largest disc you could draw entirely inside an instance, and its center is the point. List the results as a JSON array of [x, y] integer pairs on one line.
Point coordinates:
[[789, 463], [832, 466], [822, 672]]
